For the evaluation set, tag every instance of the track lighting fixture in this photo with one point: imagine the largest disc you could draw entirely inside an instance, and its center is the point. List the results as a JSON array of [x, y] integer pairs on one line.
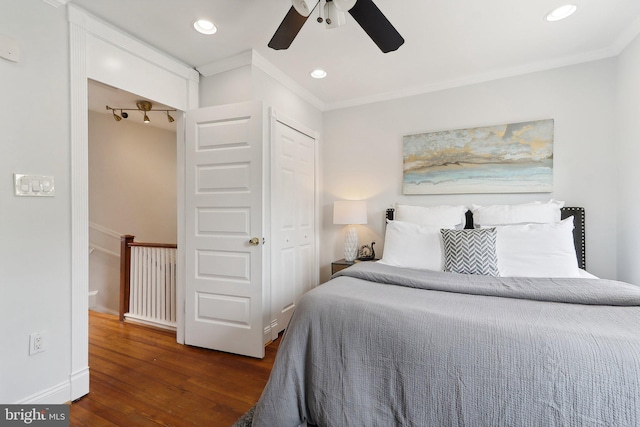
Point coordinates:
[[144, 107]]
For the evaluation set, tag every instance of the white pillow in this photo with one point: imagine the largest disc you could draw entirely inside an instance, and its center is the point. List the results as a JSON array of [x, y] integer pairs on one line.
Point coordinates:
[[538, 212], [537, 250], [413, 246], [441, 216]]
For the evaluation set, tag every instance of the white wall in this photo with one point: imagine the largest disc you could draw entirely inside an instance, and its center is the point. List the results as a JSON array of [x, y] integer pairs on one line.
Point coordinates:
[[132, 178], [250, 83], [132, 190], [228, 87], [363, 150], [35, 248], [628, 153]]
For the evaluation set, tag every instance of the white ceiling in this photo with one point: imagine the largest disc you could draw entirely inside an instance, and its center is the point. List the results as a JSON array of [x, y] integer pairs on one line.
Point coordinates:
[[448, 42]]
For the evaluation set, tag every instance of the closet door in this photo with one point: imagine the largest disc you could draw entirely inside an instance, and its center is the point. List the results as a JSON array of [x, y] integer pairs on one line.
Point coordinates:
[[293, 222]]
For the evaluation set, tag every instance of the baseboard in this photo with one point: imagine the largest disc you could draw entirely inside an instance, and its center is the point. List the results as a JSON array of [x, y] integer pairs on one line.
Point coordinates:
[[65, 392], [54, 395], [79, 384], [103, 309]]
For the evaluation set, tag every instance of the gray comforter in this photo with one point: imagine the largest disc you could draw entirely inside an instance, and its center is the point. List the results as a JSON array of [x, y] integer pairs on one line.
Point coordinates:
[[382, 346]]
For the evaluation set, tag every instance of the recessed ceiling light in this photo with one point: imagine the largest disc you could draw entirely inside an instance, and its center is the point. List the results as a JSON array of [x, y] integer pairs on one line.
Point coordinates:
[[205, 27], [561, 12], [318, 74]]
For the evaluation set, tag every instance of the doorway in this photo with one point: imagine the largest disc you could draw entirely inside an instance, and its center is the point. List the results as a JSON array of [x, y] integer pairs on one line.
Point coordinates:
[[132, 185]]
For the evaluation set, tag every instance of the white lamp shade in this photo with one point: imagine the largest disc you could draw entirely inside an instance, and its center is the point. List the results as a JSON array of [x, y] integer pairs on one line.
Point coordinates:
[[350, 212]]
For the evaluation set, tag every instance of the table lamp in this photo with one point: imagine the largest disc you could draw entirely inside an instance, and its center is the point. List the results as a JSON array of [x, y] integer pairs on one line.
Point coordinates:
[[350, 212]]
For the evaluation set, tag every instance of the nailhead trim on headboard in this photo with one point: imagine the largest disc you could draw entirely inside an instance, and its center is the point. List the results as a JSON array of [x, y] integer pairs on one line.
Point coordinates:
[[579, 238]]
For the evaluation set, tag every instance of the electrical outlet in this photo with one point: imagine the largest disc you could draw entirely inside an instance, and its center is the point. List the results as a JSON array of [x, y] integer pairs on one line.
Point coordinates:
[[36, 342]]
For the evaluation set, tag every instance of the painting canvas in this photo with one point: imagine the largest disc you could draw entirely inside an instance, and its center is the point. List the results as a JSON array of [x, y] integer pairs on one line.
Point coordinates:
[[511, 158]]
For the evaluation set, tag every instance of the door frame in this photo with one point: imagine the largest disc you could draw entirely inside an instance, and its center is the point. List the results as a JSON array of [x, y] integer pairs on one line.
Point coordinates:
[[94, 50]]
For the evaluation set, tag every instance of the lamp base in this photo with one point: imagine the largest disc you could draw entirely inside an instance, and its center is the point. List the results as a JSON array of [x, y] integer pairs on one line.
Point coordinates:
[[351, 244]]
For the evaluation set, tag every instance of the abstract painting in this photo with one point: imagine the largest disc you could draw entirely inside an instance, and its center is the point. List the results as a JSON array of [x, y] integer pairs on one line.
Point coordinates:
[[511, 158]]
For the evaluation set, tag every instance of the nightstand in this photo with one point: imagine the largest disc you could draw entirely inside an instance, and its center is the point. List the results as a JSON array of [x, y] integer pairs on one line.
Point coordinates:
[[341, 264]]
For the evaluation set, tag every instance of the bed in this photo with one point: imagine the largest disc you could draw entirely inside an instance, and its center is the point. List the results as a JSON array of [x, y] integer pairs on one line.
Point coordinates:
[[385, 345]]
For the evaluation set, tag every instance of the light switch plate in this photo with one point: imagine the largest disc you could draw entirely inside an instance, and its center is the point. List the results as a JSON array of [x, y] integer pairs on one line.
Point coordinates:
[[34, 185]]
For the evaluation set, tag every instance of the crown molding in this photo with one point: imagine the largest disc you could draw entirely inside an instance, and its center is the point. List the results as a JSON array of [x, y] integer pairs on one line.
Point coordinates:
[[475, 79], [626, 37], [56, 3], [277, 74], [226, 64], [251, 57]]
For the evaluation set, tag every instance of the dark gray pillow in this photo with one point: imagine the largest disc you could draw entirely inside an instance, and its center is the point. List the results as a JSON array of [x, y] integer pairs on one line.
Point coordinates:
[[470, 251]]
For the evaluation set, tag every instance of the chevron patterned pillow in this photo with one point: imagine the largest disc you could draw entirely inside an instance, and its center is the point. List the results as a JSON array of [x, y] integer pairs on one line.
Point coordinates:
[[470, 251]]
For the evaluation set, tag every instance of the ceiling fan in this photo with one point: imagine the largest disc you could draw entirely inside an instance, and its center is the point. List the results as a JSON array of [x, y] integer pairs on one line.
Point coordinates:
[[365, 12]]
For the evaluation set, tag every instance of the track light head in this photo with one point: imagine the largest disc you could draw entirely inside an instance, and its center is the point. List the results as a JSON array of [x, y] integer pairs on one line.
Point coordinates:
[[144, 107]]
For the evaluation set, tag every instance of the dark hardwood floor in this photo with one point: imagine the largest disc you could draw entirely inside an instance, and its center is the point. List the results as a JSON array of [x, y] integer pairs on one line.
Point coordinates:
[[141, 377]]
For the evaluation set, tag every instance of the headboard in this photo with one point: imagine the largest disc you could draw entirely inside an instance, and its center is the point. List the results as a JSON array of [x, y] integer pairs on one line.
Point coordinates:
[[578, 229]]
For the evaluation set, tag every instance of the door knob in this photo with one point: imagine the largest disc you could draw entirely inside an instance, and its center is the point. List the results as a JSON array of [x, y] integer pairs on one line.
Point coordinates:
[[254, 242]]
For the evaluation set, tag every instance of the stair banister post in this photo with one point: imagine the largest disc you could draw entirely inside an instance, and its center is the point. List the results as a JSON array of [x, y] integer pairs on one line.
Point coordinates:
[[125, 272]]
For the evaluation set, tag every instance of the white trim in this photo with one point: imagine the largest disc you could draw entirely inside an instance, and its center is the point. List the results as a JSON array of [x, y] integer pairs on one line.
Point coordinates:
[[474, 79], [227, 64], [141, 320], [103, 309], [82, 26], [79, 212], [103, 250], [104, 230], [128, 43], [273, 71], [80, 378], [57, 394], [626, 37], [254, 58], [181, 274], [56, 3]]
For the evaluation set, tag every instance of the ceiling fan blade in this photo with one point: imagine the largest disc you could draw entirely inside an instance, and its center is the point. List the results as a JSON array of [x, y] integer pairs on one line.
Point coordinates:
[[288, 30], [376, 25]]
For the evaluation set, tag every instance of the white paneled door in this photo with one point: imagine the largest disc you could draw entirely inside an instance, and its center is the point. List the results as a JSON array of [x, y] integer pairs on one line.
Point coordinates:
[[292, 221], [224, 228]]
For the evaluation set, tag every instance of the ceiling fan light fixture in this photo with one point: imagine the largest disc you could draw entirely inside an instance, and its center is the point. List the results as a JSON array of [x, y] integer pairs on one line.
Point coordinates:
[[333, 17], [304, 7], [318, 74], [561, 12], [344, 5], [205, 26]]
